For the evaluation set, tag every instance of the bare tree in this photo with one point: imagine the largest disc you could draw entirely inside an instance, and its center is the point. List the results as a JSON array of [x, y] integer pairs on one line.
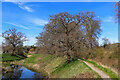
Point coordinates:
[[69, 34], [105, 42], [13, 40]]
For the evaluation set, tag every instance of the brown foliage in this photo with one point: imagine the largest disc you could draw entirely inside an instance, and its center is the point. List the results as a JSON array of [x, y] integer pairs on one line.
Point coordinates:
[[13, 42], [70, 35]]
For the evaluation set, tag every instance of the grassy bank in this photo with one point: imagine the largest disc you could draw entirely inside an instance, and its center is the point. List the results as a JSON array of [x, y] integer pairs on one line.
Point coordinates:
[[57, 67], [75, 69], [9, 57], [106, 70]]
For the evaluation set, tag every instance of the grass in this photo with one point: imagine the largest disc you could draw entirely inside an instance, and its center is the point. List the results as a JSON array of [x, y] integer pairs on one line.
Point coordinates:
[[35, 58], [31, 59], [55, 66], [92, 71], [72, 69], [30, 53], [54, 63], [106, 70], [46, 61], [9, 57], [46, 57]]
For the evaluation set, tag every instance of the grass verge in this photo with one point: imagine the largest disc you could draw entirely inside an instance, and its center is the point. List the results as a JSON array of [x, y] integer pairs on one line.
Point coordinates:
[[108, 71], [74, 69]]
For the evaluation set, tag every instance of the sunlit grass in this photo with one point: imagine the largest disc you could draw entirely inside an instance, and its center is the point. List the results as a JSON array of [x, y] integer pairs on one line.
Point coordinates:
[[9, 57], [37, 58], [57, 66], [32, 59], [54, 63], [72, 69]]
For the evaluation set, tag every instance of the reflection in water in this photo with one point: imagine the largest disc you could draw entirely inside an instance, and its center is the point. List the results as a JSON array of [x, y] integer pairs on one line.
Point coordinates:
[[17, 72], [13, 71]]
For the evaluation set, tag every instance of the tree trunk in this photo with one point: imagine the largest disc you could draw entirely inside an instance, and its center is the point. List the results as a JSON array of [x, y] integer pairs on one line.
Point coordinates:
[[68, 58], [13, 51]]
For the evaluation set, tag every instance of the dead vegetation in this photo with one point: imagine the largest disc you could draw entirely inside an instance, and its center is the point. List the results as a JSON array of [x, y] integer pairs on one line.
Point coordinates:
[[107, 56]]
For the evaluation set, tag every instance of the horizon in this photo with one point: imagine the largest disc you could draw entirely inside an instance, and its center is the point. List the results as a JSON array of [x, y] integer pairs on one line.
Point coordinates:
[[30, 17]]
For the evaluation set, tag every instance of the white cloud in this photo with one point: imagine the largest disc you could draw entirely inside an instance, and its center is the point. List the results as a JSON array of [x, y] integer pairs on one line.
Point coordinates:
[[36, 21], [18, 25], [39, 22], [108, 19], [23, 6]]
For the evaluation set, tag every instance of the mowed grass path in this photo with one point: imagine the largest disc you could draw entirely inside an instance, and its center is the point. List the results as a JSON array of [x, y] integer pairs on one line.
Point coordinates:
[[108, 71]]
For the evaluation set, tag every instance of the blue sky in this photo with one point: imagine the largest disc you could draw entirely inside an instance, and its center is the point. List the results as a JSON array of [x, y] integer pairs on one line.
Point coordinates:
[[30, 17]]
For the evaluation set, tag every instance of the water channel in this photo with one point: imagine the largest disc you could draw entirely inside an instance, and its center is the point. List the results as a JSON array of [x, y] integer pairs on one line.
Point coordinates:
[[19, 72]]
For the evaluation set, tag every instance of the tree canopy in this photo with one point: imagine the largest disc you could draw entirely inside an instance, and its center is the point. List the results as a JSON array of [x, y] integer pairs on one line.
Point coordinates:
[[70, 35], [13, 41]]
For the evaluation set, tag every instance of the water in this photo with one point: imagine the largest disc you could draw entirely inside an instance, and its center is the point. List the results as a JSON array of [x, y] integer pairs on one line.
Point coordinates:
[[18, 72]]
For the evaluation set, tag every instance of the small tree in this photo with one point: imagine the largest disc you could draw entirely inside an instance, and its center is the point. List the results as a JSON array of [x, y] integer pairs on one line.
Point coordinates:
[[14, 40], [105, 42]]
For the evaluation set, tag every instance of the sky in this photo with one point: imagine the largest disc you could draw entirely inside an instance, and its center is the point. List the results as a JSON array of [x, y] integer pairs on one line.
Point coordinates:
[[30, 17]]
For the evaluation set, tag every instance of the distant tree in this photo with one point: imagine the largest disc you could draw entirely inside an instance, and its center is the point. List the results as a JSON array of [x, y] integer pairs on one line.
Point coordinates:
[[13, 41], [105, 42], [32, 46], [70, 35], [32, 49]]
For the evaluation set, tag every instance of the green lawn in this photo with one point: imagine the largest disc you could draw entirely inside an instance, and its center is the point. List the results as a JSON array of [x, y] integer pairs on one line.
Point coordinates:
[[9, 57]]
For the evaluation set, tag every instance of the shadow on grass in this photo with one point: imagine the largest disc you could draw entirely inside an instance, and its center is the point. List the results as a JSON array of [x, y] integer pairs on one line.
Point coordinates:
[[5, 57], [64, 65]]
